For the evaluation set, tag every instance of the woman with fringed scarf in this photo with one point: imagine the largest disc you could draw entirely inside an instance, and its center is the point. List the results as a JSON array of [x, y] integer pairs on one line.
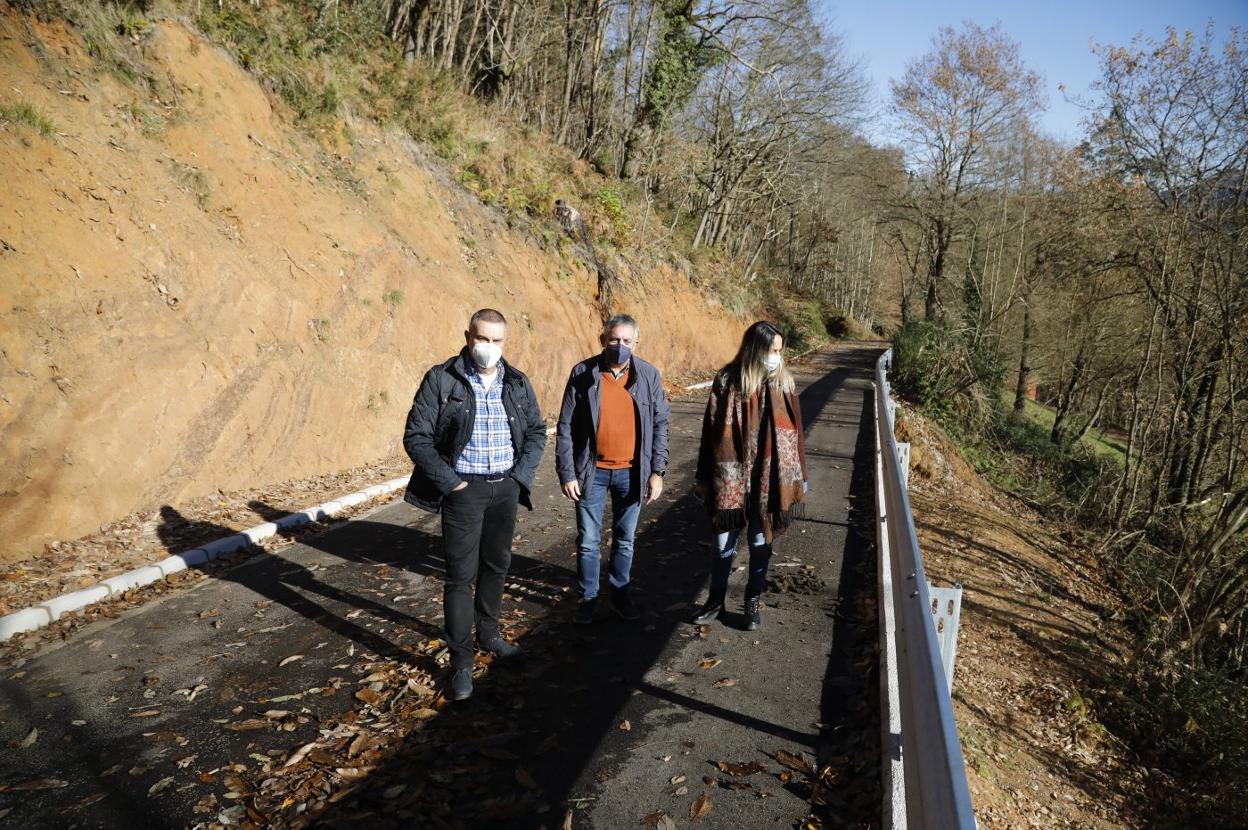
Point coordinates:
[[751, 464]]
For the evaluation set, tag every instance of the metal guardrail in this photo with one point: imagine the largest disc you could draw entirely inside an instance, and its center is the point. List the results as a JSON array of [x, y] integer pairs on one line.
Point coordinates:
[[924, 776]]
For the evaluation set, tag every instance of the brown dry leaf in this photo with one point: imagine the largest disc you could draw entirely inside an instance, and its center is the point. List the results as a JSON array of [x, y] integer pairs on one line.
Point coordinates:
[[292, 658], [741, 769], [666, 823], [793, 762], [724, 683], [30, 739], [601, 775], [247, 725], [653, 819], [368, 696], [625, 726], [524, 779], [145, 713], [211, 612], [709, 662], [677, 780], [424, 713], [700, 807]]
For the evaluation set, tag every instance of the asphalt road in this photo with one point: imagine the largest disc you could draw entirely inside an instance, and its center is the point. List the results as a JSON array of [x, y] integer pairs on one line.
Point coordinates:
[[154, 719]]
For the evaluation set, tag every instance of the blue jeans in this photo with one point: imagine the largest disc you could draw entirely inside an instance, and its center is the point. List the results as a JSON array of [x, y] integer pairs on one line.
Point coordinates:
[[726, 547], [625, 508]]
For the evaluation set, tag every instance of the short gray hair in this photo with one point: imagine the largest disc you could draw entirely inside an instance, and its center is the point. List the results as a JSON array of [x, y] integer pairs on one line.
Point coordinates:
[[620, 320]]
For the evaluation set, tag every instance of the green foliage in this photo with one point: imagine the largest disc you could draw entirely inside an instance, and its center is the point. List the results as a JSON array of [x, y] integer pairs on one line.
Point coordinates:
[[27, 115], [279, 51], [392, 298], [1194, 719], [923, 363], [611, 202], [679, 59]]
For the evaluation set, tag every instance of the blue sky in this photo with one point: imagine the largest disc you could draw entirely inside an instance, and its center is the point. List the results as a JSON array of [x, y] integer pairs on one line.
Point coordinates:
[[1054, 36]]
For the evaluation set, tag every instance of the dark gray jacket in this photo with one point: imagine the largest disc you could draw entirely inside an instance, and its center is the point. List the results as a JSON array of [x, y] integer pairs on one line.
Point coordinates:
[[576, 442], [440, 424]]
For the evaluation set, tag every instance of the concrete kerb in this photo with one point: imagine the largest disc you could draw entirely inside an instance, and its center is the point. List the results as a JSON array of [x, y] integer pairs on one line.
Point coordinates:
[[48, 611]]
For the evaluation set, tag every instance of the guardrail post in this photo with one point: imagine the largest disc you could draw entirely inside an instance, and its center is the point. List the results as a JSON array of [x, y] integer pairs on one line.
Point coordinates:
[[903, 462], [947, 610]]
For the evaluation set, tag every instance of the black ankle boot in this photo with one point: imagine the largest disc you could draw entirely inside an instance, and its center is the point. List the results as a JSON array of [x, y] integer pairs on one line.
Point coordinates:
[[711, 609], [753, 621]]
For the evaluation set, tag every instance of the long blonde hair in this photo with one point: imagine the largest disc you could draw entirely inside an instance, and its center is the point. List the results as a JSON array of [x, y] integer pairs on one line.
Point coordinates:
[[748, 370]]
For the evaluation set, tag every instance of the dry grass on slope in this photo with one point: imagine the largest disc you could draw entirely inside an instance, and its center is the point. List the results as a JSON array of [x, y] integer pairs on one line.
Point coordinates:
[[1034, 641]]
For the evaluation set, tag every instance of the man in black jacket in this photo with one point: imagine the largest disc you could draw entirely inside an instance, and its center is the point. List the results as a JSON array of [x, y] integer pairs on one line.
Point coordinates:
[[476, 436]]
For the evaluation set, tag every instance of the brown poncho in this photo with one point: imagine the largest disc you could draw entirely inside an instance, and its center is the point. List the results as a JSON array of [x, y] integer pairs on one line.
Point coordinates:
[[753, 456]]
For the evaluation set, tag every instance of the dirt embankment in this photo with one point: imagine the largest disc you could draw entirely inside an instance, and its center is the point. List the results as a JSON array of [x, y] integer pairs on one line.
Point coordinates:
[[201, 297], [1035, 638]]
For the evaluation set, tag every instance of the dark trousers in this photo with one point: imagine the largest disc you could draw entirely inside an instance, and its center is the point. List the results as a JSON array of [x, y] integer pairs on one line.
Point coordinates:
[[477, 526]]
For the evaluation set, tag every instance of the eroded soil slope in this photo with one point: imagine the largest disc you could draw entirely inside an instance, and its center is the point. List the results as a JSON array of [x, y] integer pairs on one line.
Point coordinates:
[[202, 297]]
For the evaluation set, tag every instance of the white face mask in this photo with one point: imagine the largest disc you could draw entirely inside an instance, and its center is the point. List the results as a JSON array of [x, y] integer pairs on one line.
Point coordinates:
[[485, 355], [773, 361]]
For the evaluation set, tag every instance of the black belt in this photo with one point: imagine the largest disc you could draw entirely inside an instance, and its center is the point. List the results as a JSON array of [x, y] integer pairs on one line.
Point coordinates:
[[492, 478]]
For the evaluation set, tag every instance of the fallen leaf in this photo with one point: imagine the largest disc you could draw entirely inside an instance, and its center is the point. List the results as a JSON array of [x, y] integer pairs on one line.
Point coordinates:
[[30, 739], [601, 775], [247, 725], [41, 784], [677, 779], [159, 786], [666, 823], [742, 768], [145, 713], [700, 807], [524, 779], [794, 762], [724, 683], [292, 658], [625, 726], [368, 696], [709, 662]]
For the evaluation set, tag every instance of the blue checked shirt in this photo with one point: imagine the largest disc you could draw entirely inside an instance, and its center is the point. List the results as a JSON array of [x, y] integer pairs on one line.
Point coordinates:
[[490, 449]]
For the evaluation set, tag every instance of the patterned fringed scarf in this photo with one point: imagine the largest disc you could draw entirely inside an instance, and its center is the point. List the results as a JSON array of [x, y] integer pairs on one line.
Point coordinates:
[[759, 474]]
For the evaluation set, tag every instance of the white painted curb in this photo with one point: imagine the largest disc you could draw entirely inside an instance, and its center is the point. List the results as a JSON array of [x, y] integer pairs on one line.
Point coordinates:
[[47, 612]]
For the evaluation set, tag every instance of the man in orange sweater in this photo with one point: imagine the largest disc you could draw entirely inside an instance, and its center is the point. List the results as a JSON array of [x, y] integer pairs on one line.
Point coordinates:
[[611, 438]]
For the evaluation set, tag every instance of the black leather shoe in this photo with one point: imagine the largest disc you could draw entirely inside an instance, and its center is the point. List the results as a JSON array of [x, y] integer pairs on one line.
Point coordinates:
[[500, 648], [622, 604], [461, 684], [753, 620], [711, 609], [585, 611]]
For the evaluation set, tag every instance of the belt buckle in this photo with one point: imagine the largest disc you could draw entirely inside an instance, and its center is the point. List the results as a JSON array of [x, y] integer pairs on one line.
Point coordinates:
[[495, 480]]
